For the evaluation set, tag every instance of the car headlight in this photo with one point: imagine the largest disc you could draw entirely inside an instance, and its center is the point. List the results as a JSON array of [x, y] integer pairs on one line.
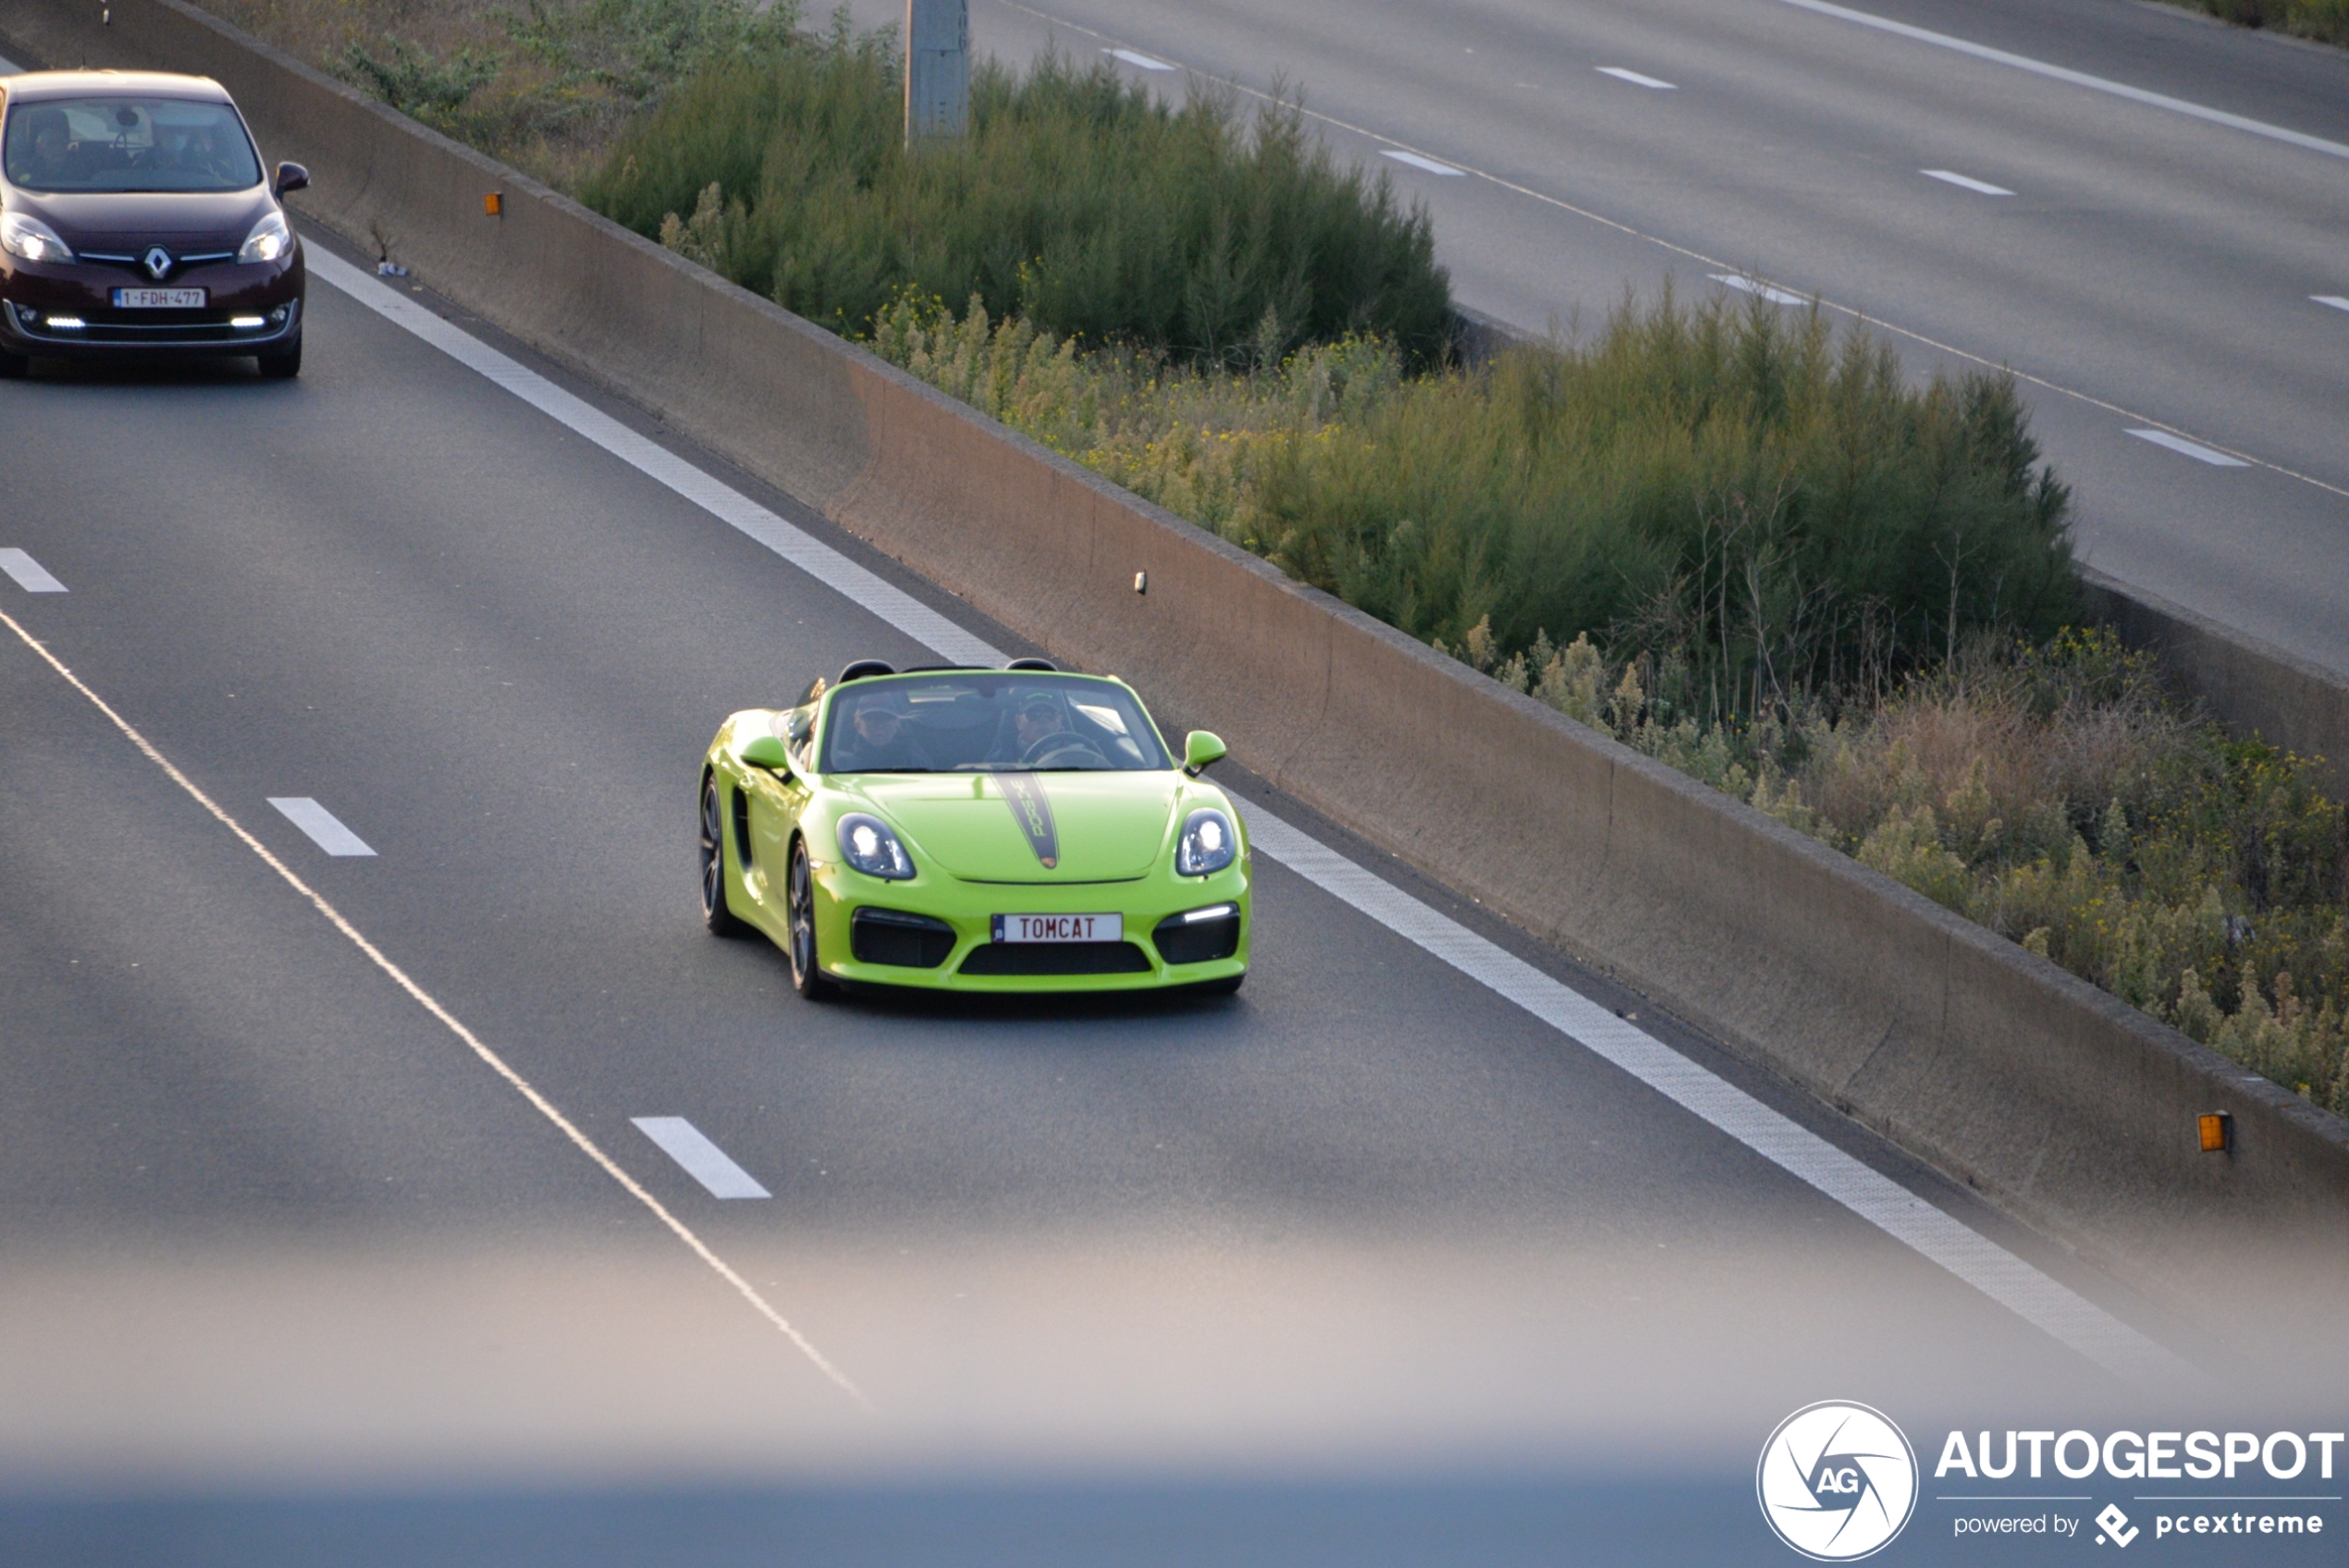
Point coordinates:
[[270, 238], [868, 844], [31, 239], [1208, 843]]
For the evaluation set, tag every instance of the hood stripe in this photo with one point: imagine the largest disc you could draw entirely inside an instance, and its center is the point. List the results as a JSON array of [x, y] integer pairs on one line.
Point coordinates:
[[1024, 793]]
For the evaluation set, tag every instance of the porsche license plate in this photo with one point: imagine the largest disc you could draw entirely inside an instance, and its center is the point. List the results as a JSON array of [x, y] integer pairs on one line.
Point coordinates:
[[159, 298], [1060, 927]]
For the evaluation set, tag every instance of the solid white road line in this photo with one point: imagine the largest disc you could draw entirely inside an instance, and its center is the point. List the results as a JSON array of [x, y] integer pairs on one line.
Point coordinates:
[[1139, 62], [820, 561], [29, 573], [1635, 78], [450, 1020], [2194, 449], [1989, 1267], [1997, 1273], [321, 825], [2079, 79], [1417, 162], [1980, 188], [1753, 286], [2337, 301], [702, 1160]]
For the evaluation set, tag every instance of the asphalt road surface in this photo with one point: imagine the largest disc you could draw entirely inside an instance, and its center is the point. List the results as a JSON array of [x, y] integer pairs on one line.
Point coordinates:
[[2144, 269], [333, 1237]]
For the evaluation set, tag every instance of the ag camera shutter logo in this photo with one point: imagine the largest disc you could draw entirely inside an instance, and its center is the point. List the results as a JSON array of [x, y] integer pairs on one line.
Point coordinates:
[[1838, 1481]]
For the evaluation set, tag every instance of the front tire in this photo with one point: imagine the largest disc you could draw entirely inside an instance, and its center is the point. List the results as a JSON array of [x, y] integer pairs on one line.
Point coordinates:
[[15, 367], [807, 976], [715, 913], [282, 365]]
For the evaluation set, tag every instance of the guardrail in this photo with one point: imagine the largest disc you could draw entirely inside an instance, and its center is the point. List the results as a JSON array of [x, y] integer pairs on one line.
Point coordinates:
[[2065, 1106]]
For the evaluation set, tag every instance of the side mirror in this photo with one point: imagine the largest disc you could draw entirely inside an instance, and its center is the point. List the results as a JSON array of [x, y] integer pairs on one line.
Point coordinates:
[[765, 752], [1200, 749], [290, 177]]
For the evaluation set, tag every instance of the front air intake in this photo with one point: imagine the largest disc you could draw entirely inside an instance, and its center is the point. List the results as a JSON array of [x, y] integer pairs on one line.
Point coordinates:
[[893, 936]]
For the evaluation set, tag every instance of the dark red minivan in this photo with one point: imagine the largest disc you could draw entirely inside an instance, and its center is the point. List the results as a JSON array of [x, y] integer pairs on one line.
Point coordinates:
[[135, 219]]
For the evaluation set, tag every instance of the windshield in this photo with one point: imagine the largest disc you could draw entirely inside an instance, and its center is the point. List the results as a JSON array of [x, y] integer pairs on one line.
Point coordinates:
[[976, 721], [129, 145]]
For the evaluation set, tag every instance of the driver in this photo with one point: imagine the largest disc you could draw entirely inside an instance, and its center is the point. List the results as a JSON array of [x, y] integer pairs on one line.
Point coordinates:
[[880, 740], [1036, 717], [52, 147]]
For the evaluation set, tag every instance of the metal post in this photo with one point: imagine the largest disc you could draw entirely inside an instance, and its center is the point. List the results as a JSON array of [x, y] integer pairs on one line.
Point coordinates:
[[938, 69]]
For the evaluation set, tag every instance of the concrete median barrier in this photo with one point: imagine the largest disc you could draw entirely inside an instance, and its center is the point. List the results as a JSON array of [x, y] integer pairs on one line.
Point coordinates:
[[2066, 1107]]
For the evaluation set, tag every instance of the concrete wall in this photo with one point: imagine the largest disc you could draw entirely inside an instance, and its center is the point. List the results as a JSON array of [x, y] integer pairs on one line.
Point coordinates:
[[2253, 687], [2064, 1106]]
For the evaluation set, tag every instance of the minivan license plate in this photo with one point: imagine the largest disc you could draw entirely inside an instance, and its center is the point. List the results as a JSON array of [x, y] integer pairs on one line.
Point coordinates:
[[1060, 927], [159, 298]]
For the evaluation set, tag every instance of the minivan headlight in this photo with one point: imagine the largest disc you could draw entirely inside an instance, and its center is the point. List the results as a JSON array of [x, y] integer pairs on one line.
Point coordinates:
[[269, 241], [31, 239], [1208, 843], [868, 844]]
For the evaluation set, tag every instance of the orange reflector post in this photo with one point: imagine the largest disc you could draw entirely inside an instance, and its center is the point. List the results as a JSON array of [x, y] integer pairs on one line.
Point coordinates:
[[2217, 1132], [494, 204]]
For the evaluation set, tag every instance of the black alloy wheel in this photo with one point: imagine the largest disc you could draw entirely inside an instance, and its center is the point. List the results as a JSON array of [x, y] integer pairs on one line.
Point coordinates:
[[806, 976], [714, 913]]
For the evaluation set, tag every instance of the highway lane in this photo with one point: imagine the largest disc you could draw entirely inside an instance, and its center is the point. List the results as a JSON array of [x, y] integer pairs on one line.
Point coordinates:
[[2148, 270], [1367, 1218]]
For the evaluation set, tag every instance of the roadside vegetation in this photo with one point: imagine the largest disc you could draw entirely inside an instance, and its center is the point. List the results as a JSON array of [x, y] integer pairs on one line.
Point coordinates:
[[2324, 20], [542, 84], [1077, 202], [1772, 566], [1734, 538]]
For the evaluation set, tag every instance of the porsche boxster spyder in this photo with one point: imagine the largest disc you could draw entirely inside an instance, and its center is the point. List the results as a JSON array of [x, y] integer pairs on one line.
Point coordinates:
[[1018, 829]]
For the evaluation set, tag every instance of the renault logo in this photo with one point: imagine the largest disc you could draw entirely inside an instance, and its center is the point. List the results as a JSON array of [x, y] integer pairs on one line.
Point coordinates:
[[157, 262]]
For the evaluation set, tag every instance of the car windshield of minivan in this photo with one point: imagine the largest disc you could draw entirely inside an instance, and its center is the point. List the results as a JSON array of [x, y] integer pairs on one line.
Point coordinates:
[[128, 145], [984, 722]]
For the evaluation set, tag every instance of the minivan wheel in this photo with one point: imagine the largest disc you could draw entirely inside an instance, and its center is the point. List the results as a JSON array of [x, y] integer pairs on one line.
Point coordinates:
[[282, 364]]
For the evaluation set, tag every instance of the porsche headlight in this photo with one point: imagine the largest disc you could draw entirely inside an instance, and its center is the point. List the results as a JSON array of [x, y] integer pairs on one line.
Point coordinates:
[[269, 241], [1208, 843], [868, 844], [31, 239]]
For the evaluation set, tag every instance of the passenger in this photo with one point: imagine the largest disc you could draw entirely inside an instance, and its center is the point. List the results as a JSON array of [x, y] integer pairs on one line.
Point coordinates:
[[880, 740]]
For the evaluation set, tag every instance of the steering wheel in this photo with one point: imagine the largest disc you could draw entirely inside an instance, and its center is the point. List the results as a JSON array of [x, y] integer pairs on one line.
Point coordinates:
[[1061, 748]]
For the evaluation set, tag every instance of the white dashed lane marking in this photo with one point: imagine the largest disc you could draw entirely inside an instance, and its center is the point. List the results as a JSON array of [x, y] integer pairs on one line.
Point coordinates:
[[702, 1160], [2338, 302], [29, 573], [2194, 449], [1966, 182], [1139, 62], [324, 830], [1754, 285], [1635, 78], [1430, 165]]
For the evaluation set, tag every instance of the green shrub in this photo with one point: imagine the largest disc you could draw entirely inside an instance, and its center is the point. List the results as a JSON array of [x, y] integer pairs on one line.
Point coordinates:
[[2324, 19], [1760, 510], [1729, 482], [1076, 202], [513, 77]]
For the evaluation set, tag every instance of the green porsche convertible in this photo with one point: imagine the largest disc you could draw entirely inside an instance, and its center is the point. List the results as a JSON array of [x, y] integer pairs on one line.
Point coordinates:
[[1018, 829]]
